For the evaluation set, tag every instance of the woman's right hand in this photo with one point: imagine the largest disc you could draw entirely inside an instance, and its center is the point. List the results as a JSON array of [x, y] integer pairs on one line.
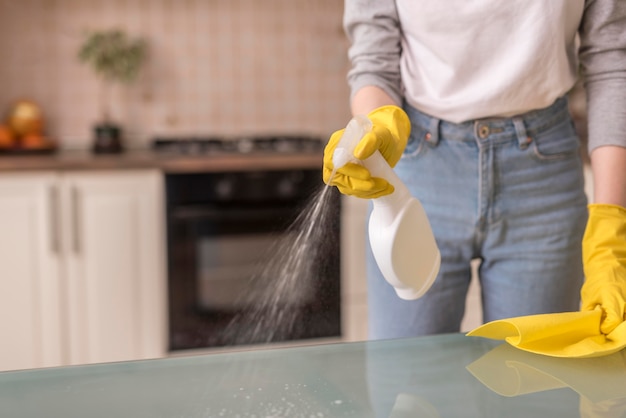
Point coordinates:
[[390, 131]]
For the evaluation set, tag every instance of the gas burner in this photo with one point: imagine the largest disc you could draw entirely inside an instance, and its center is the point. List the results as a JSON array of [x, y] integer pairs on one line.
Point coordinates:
[[186, 145], [241, 145]]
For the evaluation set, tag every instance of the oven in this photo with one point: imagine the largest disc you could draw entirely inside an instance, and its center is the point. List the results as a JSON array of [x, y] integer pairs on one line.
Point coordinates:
[[223, 229]]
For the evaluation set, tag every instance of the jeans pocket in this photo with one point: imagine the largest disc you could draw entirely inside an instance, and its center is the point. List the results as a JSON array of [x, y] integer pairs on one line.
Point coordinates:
[[558, 142], [416, 143]]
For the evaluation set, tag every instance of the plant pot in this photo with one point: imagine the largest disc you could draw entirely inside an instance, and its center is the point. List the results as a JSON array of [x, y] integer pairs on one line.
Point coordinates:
[[107, 139]]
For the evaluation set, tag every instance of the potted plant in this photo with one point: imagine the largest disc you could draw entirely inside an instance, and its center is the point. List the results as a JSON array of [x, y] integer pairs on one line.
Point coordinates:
[[116, 59]]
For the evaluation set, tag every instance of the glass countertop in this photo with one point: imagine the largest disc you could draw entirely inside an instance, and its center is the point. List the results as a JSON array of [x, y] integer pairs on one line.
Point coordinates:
[[440, 376]]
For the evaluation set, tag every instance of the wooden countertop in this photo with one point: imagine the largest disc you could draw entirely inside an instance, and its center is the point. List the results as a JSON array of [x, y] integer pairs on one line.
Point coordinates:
[[142, 159]]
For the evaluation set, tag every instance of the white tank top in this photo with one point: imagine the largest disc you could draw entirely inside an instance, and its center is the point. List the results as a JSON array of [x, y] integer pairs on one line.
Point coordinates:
[[457, 70]]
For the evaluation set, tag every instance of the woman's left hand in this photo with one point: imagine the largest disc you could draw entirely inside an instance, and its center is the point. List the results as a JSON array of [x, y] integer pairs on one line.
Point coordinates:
[[604, 260]]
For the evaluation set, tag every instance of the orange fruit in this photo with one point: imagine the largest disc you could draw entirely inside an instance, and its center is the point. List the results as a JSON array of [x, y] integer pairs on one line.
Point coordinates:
[[35, 141], [25, 117], [7, 137]]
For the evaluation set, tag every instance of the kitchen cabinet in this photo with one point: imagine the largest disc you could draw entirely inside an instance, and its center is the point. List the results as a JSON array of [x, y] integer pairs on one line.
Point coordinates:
[[353, 273], [30, 273], [82, 271]]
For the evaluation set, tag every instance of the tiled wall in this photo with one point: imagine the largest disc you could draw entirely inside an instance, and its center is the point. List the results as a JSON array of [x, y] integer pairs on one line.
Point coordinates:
[[216, 67]]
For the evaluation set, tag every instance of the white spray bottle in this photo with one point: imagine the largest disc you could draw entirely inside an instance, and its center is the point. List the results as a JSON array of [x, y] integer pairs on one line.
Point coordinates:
[[399, 231]]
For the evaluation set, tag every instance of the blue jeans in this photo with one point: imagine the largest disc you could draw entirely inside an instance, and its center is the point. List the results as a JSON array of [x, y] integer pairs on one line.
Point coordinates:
[[506, 191]]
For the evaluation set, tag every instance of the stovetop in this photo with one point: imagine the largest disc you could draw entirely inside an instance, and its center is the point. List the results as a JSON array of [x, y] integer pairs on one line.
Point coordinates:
[[242, 145]]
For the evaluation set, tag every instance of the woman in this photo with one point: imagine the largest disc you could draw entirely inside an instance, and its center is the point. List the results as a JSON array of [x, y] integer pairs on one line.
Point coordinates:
[[468, 103]]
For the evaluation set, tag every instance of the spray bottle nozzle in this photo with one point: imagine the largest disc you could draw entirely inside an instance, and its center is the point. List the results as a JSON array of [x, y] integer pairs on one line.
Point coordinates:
[[355, 130]]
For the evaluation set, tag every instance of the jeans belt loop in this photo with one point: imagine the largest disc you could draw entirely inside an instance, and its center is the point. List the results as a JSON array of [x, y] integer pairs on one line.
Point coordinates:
[[522, 136], [432, 137]]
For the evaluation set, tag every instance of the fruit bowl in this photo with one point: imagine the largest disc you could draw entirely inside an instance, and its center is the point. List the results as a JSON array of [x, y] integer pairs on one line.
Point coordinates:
[[43, 150], [22, 132]]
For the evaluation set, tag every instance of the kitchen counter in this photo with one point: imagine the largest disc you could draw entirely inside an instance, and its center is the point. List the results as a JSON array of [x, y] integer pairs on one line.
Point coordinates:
[[137, 159], [439, 376]]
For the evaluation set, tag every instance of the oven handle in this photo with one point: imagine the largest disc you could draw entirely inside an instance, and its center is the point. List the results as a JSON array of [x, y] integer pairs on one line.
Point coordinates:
[[195, 213]]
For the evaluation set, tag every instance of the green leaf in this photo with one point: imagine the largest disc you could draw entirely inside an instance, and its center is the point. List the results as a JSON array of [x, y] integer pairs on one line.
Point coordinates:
[[113, 55]]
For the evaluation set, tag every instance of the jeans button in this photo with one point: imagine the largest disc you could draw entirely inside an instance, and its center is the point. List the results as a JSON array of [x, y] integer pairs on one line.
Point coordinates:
[[483, 131]]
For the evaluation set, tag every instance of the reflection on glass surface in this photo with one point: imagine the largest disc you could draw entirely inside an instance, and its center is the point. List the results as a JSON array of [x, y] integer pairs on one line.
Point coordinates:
[[600, 381]]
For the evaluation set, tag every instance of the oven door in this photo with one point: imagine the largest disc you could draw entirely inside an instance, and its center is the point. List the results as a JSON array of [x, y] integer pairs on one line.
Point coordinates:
[[215, 255]]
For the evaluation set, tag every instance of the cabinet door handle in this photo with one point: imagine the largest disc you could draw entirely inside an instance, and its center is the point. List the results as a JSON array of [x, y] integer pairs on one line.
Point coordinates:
[[76, 244], [54, 220]]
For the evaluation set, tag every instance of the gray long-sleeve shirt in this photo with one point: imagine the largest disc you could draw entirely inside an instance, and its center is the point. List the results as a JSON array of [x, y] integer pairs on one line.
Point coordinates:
[[460, 60]]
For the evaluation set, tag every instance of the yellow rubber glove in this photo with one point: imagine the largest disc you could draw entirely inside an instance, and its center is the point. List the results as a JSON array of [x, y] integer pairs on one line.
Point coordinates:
[[389, 135], [604, 260]]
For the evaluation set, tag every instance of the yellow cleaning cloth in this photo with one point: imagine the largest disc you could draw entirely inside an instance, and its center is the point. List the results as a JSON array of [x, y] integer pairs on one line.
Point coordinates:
[[568, 334]]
